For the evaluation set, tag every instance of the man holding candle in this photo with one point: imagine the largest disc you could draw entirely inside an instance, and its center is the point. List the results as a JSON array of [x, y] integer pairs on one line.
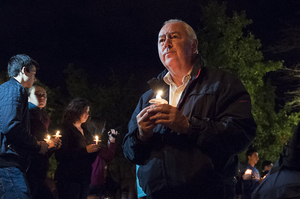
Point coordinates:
[[188, 148], [16, 141], [39, 119]]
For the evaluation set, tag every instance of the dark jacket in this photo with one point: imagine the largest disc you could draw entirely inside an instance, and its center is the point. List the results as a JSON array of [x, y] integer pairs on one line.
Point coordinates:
[[74, 162], [221, 126], [16, 142], [39, 121]]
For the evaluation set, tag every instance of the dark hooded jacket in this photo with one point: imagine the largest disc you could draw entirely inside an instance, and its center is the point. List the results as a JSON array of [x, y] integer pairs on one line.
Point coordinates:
[[221, 126]]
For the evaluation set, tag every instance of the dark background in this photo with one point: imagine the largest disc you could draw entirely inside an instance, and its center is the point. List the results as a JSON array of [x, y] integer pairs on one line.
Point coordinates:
[[101, 36]]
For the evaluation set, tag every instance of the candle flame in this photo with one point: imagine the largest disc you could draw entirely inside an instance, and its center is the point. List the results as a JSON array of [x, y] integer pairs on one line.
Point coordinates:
[[158, 96], [57, 132], [48, 136], [96, 137]]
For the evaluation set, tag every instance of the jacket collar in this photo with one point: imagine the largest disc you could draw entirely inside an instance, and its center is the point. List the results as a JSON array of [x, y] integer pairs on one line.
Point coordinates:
[[158, 82]]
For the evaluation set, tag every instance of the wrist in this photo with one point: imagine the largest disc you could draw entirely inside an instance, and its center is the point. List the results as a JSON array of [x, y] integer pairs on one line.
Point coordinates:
[[141, 137]]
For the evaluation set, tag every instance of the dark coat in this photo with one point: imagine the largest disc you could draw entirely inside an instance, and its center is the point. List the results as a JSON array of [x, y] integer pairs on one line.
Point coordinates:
[[16, 142], [39, 121], [74, 162], [222, 126]]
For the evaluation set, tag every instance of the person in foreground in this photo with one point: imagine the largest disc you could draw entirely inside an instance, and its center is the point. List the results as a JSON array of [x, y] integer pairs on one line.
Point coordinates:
[[39, 119], [283, 179], [17, 144], [188, 148], [77, 153]]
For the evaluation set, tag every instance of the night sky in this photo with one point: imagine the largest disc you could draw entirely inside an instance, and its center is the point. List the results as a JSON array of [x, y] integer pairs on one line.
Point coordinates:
[[100, 35]]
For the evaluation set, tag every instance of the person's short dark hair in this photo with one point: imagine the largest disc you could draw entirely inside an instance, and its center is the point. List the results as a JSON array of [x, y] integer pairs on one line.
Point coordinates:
[[75, 109], [266, 163], [250, 152], [17, 62]]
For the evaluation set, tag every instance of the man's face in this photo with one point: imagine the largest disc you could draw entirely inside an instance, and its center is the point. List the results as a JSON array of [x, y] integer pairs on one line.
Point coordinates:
[[41, 96], [29, 77], [253, 158], [174, 47]]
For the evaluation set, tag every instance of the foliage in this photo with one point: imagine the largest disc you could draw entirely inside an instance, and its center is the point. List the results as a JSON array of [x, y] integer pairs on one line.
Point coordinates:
[[224, 44]]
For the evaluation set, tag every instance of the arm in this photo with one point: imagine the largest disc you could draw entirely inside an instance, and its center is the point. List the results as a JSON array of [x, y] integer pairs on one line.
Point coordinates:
[[136, 150], [16, 125], [233, 127]]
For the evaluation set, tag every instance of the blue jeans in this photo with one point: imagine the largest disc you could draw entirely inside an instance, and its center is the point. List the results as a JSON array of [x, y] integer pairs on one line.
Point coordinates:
[[13, 184]]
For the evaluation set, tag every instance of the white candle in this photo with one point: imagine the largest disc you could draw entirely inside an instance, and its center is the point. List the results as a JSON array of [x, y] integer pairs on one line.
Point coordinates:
[[158, 99]]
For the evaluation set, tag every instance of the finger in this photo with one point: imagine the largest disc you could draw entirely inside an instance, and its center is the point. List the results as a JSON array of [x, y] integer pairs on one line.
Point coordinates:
[[145, 117], [143, 111]]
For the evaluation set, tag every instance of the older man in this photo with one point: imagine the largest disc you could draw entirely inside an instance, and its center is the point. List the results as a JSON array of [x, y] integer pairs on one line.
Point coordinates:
[[16, 143], [188, 148]]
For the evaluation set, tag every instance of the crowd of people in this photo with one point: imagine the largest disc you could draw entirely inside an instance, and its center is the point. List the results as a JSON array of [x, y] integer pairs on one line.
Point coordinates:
[[183, 143]]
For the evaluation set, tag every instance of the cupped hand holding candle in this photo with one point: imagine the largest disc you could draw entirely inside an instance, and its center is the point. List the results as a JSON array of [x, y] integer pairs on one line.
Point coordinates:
[[158, 99]]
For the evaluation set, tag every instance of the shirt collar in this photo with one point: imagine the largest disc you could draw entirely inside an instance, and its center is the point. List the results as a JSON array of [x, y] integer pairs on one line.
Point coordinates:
[[168, 79]]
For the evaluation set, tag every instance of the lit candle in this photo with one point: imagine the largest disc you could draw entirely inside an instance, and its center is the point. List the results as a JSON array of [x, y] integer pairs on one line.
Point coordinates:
[[57, 135], [48, 139], [158, 96], [248, 171], [96, 139], [158, 99]]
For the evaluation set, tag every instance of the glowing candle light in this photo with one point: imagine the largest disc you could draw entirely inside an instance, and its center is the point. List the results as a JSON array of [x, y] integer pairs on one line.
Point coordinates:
[[158, 96], [97, 139], [48, 139], [57, 135], [158, 99], [248, 171]]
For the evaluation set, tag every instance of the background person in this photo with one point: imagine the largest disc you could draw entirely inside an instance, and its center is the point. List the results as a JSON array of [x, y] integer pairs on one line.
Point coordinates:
[[251, 176], [188, 148], [77, 153], [266, 167], [39, 119], [99, 173], [16, 141]]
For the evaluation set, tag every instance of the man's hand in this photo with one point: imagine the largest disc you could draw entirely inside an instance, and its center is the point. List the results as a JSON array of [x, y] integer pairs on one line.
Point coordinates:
[[44, 147], [145, 125], [92, 148], [169, 116]]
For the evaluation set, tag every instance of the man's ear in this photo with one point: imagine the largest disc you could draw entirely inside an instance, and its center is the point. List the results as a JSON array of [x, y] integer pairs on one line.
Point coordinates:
[[23, 69], [195, 46]]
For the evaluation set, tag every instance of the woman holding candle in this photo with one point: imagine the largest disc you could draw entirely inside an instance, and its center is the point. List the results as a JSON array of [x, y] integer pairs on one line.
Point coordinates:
[[39, 119], [75, 157]]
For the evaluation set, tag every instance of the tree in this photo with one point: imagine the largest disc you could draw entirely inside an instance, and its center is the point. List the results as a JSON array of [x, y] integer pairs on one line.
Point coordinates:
[[225, 44]]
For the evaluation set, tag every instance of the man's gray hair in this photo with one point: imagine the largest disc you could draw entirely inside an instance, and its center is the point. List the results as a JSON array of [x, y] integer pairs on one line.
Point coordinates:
[[191, 33]]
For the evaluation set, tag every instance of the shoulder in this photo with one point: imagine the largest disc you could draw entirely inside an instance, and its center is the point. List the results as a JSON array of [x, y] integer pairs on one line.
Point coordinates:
[[14, 91], [219, 74]]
